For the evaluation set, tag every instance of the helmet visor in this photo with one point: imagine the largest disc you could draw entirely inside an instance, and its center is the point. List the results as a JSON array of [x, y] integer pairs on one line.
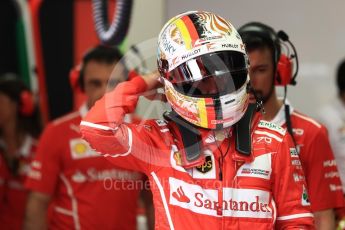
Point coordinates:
[[211, 75]]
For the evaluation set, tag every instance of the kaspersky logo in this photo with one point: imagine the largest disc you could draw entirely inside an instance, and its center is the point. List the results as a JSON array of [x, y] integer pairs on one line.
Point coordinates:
[[236, 202]]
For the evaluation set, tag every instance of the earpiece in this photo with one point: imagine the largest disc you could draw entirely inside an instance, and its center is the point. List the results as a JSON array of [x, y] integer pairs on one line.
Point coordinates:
[[17, 91], [285, 64], [284, 71], [74, 77], [27, 103], [284, 75]]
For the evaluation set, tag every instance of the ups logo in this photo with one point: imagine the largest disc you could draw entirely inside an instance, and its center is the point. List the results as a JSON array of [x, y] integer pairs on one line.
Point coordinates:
[[205, 167]]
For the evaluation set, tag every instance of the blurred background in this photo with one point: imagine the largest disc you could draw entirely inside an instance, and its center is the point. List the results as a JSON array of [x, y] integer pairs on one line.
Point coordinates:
[[42, 40]]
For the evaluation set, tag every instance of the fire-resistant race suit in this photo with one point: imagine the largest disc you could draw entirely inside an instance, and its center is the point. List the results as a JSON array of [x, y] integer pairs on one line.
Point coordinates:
[[320, 168], [88, 192], [228, 191]]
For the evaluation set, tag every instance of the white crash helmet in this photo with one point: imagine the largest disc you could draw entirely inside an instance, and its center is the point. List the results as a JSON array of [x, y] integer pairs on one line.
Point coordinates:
[[198, 49]]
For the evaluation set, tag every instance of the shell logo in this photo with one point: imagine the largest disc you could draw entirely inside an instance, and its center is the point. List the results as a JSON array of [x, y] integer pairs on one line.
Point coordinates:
[[80, 148]]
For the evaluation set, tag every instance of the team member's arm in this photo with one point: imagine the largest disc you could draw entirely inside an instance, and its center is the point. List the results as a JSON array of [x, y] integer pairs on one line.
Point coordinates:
[[42, 179], [36, 211], [325, 219], [290, 193], [105, 131]]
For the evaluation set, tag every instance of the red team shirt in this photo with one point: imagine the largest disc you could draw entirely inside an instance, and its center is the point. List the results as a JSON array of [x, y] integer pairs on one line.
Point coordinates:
[[256, 191], [88, 191], [13, 194], [322, 177]]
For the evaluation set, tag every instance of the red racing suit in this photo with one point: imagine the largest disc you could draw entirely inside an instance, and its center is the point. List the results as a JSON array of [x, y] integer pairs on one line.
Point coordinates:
[[13, 194], [320, 169], [228, 191], [88, 192]]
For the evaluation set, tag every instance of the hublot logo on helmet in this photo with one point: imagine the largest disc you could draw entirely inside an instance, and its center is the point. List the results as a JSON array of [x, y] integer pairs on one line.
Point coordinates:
[[234, 46], [194, 52]]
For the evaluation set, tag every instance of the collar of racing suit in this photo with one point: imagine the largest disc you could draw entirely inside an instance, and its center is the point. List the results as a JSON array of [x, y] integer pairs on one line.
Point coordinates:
[[210, 141], [279, 118]]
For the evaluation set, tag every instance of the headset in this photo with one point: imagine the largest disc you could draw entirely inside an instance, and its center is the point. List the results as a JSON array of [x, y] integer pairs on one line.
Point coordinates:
[[283, 63], [14, 88], [27, 103], [253, 32], [74, 75]]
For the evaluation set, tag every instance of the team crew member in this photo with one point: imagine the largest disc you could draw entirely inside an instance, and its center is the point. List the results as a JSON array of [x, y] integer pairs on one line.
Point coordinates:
[[264, 50], [333, 117], [83, 189], [201, 177], [19, 129]]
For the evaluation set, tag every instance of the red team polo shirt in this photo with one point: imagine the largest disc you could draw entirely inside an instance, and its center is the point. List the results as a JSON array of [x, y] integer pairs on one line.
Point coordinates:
[[88, 192], [320, 169], [13, 195]]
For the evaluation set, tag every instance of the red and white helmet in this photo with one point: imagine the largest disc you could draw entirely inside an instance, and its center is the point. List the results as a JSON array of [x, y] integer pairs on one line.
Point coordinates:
[[204, 67]]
